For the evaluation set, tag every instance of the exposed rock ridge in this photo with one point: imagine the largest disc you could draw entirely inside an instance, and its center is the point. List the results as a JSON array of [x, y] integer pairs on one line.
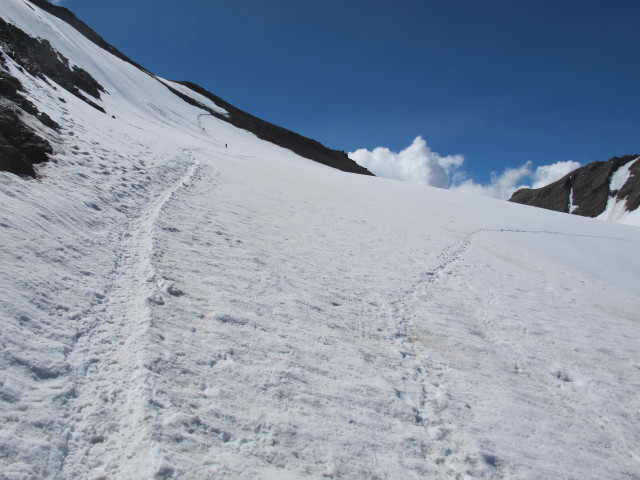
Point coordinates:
[[280, 136], [20, 146], [586, 191], [41, 60]]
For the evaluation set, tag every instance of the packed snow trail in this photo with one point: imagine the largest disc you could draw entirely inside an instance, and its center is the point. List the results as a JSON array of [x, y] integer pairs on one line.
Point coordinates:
[[256, 359], [200, 117], [520, 335], [108, 431]]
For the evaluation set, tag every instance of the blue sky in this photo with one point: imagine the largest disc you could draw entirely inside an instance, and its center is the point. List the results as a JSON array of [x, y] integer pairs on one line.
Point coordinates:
[[501, 82]]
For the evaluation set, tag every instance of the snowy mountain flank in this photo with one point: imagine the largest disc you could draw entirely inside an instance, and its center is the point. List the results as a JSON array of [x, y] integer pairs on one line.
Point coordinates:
[[186, 296], [40, 60], [607, 190]]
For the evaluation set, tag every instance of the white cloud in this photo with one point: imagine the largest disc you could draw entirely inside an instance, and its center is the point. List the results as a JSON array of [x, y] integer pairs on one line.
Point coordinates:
[[501, 185], [511, 179], [419, 164], [547, 174], [58, 2]]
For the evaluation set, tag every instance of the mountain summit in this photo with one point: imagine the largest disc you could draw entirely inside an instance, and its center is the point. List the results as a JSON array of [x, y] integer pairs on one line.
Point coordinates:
[[187, 295]]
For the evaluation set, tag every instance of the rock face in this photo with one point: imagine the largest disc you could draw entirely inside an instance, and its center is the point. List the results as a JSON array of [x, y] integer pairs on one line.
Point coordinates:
[[40, 59], [588, 190], [20, 146]]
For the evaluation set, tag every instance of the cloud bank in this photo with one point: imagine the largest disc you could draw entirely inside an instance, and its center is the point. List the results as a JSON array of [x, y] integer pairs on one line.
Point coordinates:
[[419, 164], [502, 185]]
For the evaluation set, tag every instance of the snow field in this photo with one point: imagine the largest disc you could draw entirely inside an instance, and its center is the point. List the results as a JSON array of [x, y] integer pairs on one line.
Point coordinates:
[[283, 342], [176, 309], [399, 358]]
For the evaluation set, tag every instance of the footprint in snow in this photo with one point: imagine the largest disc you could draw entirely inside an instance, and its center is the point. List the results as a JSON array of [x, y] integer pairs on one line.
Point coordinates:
[[174, 291]]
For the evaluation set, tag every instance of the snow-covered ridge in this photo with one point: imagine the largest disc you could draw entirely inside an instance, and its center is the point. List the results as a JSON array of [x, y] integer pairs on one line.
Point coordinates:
[[139, 87], [196, 96], [180, 303]]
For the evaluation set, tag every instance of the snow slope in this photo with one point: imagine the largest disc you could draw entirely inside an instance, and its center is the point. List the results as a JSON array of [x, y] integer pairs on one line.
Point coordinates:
[[176, 309], [616, 209]]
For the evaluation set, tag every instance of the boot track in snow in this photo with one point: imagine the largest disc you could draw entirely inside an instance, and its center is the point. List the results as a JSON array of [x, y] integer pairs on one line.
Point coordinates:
[[108, 419]]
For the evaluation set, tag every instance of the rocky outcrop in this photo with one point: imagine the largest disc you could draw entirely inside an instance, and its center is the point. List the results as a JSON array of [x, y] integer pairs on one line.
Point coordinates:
[[20, 146], [41, 60], [587, 190]]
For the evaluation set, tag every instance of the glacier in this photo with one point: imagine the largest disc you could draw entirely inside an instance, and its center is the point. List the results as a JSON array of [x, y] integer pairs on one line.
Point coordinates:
[[184, 300]]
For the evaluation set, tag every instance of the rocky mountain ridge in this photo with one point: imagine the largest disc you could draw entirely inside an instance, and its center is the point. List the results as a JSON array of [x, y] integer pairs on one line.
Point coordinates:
[[600, 189]]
